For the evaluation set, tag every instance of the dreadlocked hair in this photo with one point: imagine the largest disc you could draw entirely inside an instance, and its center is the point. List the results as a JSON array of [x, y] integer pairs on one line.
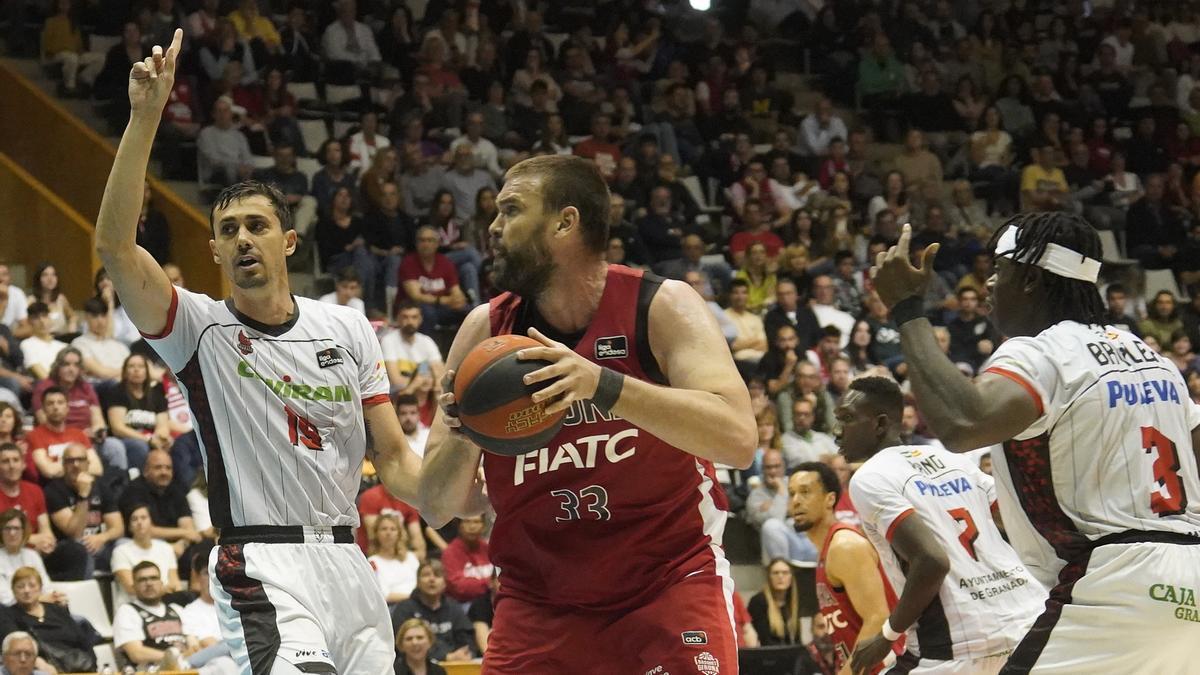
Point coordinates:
[[1068, 299]]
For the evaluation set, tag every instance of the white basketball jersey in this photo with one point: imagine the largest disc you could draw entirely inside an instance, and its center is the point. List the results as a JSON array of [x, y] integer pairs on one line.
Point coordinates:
[[1111, 452], [278, 409], [988, 599]]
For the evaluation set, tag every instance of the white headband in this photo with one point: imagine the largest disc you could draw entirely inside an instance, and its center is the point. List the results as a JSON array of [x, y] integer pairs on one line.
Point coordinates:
[[1058, 259]]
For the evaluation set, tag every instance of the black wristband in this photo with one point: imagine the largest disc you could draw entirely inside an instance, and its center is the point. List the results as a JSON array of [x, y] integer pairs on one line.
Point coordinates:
[[912, 307], [609, 389]]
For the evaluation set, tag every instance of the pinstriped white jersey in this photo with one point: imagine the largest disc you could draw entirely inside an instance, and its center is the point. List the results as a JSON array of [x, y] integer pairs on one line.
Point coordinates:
[[1111, 451], [988, 599], [278, 409]]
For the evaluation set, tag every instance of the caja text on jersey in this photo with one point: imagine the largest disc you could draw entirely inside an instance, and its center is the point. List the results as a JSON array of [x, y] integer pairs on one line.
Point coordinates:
[[582, 452]]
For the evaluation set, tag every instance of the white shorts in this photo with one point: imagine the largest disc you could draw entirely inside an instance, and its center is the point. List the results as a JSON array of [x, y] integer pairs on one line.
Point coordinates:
[[1127, 608], [316, 606], [987, 665]]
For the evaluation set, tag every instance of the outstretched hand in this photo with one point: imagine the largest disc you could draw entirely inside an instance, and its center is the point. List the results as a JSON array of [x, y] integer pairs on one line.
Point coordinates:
[[151, 80], [895, 277]]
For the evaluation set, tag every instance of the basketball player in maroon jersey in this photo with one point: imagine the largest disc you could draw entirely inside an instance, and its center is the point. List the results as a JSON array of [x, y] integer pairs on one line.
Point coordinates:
[[854, 595], [609, 538]]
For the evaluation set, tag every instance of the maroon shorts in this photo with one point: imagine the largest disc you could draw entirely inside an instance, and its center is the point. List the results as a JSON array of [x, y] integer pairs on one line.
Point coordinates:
[[686, 629]]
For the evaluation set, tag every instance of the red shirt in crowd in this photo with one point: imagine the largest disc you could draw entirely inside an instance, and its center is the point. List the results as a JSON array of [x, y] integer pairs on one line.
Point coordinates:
[[741, 618], [54, 443], [80, 399], [29, 499], [180, 104], [377, 501], [467, 570], [743, 240], [606, 155], [438, 279]]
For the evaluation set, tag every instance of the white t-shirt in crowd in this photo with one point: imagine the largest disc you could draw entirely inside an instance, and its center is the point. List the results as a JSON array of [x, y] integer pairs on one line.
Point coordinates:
[[123, 329], [200, 620], [408, 356], [417, 439], [198, 503], [395, 576], [17, 308], [109, 352], [10, 562], [39, 352], [127, 623], [355, 303], [129, 554]]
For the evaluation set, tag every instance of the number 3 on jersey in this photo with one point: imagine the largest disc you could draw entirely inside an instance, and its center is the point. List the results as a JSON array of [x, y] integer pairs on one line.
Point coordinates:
[[1168, 497], [593, 497], [302, 431]]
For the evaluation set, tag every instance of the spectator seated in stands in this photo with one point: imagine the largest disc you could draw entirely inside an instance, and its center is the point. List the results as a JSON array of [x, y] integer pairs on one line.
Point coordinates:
[[284, 175], [82, 411], [137, 412], [62, 43], [14, 535], [409, 354], [63, 642], [347, 291], [14, 306], [381, 170], [40, 348], [171, 517], [430, 279], [148, 631], [332, 176], [102, 354], [751, 341], [349, 46], [366, 142], [376, 501], [1156, 235], [767, 510], [1043, 185], [482, 613], [143, 546], [341, 242], [223, 153], [756, 227], [1162, 319], [824, 307], [455, 242], [389, 232], [483, 150], [775, 610], [453, 633], [84, 510], [464, 180], [414, 644], [972, 335], [47, 441], [20, 651], [200, 620], [422, 179], [395, 566], [801, 443], [408, 411], [760, 280], [922, 170], [468, 568]]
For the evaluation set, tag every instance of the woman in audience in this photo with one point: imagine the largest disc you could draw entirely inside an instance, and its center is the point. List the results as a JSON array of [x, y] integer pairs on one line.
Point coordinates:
[[341, 242], [1162, 320], [395, 566], [137, 412], [756, 272], [1015, 114], [775, 610], [414, 639], [142, 547], [46, 289], [524, 78], [62, 641], [456, 244], [14, 534], [11, 430], [485, 213], [120, 324], [332, 175], [280, 107], [554, 139], [992, 158], [62, 43], [859, 349], [794, 263], [968, 103], [383, 170], [894, 199], [1180, 352]]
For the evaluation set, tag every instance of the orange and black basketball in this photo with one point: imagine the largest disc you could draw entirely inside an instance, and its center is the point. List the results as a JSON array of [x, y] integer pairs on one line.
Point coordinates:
[[494, 403]]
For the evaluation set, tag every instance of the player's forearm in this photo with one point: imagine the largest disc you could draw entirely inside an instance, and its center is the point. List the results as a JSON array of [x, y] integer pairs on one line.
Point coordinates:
[[399, 471], [949, 401], [116, 225], [449, 473], [713, 428]]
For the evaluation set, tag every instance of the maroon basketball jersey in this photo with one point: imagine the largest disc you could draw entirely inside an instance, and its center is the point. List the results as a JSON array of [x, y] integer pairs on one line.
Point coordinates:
[[605, 516], [841, 621]]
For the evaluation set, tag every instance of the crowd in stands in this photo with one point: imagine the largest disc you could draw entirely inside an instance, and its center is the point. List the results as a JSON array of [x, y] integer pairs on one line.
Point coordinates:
[[764, 152]]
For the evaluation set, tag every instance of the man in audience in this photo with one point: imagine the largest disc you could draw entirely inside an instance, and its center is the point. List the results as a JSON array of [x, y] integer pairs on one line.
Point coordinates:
[[169, 510], [347, 291], [40, 348], [751, 341], [972, 336], [465, 180], [148, 631], [349, 44], [14, 306], [1116, 314], [102, 355], [1155, 235], [200, 620], [756, 228], [445, 616], [801, 443], [599, 146], [409, 414], [422, 180], [83, 510], [27, 497], [767, 510], [284, 175], [790, 311], [429, 279], [468, 569], [1043, 185], [409, 354], [83, 411], [222, 151], [825, 309], [21, 654], [662, 228], [922, 170], [821, 127], [486, 155]]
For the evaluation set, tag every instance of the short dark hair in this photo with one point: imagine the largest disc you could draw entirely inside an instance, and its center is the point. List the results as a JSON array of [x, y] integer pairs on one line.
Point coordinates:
[[831, 331], [406, 304], [347, 275], [567, 180], [54, 389], [842, 255], [829, 477], [406, 399], [95, 307], [245, 190], [200, 563], [146, 565], [36, 309], [739, 283], [966, 289], [5, 447], [882, 393], [1115, 288]]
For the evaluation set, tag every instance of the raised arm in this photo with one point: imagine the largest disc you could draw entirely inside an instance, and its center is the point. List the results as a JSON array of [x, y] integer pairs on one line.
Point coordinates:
[[450, 483], [139, 280]]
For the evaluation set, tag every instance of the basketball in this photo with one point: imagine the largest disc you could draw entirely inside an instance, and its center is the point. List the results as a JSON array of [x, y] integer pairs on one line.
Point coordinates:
[[495, 405]]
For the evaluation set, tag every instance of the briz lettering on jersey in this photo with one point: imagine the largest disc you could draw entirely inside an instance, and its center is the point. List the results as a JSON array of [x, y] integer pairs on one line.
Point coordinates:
[[1143, 393], [580, 454], [339, 393], [948, 488]]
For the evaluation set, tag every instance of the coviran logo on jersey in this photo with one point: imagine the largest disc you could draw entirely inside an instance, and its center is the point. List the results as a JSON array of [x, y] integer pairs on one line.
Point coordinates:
[[582, 452], [286, 389]]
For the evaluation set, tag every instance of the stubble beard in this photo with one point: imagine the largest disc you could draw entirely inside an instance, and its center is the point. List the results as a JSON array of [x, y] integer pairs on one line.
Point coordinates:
[[523, 272]]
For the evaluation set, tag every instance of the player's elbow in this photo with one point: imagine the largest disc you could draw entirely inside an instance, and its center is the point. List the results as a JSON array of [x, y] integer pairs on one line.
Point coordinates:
[[742, 443]]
